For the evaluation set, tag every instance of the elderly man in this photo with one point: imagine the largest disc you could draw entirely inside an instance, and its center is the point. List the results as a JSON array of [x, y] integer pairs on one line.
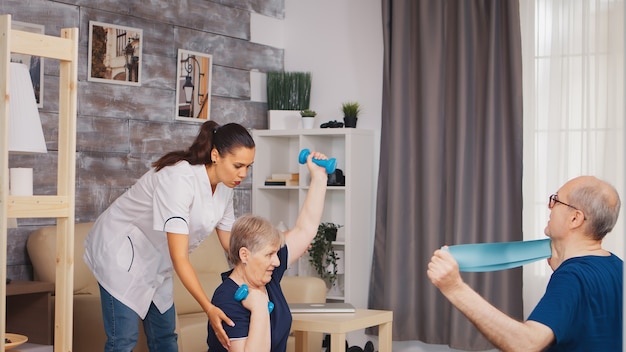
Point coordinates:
[[581, 309]]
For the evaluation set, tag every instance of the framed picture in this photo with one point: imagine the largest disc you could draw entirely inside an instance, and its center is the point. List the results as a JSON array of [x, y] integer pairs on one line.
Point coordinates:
[[193, 88], [34, 63], [114, 54]]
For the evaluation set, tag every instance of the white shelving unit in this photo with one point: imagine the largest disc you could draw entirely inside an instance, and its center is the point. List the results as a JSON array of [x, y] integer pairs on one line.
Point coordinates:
[[351, 206]]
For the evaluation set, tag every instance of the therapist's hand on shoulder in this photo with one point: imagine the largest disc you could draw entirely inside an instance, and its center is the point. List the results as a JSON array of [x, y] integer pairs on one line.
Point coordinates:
[[216, 317]]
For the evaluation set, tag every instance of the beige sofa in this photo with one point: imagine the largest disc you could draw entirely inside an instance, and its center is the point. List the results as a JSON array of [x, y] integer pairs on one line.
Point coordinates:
[[208, 260]]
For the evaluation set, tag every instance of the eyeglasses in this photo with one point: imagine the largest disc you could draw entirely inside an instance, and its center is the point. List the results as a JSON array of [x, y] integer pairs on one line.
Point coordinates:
[[553, 200]]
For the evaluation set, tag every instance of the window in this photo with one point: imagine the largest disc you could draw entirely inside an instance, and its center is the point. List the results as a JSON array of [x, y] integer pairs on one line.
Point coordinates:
[[573, 59]]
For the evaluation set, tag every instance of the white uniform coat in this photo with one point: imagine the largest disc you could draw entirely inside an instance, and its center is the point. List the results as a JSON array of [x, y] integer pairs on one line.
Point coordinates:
[[127, 247]]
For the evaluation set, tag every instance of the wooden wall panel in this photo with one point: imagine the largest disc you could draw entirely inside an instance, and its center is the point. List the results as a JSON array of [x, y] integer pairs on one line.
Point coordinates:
[[271, 8], [121, 129], [231, 52], [53, 14], [95, 200], [116, 6], [51, 92], [230, 82], [202, 15], [109, 170], [102, 134], [159, 72], [16, 253], [110, 100], [247, 113], [147, 137]]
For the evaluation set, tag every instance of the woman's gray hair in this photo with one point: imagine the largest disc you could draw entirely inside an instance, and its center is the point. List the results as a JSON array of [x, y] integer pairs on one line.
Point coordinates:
[[600, 203], [252, 232]]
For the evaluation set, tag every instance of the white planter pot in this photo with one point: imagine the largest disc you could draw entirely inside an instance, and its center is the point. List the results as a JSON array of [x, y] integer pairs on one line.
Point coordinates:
[[283, 119], [308, 122]]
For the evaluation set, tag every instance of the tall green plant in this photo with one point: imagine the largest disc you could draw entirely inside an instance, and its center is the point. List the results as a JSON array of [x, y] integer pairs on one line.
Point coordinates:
[[288, 90]]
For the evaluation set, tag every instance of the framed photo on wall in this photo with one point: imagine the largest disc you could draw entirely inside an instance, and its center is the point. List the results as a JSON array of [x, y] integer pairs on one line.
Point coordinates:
[[193, 86], [34, 63], [114, 54]]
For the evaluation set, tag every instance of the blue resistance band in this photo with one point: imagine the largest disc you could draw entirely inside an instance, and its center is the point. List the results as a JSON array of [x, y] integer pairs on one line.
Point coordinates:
[[482, 257]]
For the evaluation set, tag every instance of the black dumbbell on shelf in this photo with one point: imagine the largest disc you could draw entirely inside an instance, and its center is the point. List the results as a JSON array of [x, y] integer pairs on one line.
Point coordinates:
[[332, 124]]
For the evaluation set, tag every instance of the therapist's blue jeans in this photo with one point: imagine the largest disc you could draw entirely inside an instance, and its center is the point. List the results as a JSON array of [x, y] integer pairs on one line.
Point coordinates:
[[121, 325]]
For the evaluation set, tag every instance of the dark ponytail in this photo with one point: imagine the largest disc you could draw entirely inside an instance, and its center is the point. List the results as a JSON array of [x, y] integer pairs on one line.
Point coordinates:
[[224, 138]]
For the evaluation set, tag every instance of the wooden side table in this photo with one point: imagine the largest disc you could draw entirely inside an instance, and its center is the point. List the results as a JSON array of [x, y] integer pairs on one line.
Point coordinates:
[[28, 310], [337, 325]]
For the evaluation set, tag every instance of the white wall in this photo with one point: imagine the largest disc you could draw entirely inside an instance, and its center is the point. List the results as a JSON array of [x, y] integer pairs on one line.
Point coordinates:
[[341, 44]]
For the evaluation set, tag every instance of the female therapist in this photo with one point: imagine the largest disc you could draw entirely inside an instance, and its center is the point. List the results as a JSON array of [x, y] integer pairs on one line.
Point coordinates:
[[148, 232]]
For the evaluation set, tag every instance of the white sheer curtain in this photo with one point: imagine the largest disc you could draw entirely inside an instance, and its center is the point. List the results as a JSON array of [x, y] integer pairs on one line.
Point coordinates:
[[573, 58]]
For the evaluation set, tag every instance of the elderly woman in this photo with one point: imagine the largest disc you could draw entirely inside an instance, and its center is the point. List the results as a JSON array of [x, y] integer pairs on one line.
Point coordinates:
[[250, 293]]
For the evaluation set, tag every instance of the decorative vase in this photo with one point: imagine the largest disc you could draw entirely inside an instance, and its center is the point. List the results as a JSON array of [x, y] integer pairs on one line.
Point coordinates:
[[308, 122], [349, 122]]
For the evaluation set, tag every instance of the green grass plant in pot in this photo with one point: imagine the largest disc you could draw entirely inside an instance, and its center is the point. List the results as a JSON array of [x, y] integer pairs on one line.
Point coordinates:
[[308, 113], [351, 112], [288, 93], [308, 118], [322, 253], [288, 90]]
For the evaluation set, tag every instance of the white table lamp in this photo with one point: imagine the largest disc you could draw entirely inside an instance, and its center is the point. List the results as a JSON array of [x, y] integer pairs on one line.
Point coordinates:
[[25, 131]]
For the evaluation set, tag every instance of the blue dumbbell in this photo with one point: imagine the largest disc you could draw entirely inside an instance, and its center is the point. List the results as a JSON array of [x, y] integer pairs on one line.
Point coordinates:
[[242, 293], [329, 164]]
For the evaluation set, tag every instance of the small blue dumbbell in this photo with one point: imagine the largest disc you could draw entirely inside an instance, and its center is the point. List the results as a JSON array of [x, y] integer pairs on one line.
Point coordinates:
[[242, 293], [329, 164]]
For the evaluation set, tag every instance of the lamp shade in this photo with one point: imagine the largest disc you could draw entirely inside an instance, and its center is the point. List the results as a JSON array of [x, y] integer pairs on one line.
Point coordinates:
[[25, 131]]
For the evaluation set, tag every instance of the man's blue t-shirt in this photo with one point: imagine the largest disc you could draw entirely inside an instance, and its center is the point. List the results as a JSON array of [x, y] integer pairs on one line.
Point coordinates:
[[583, 304], [280, 318]]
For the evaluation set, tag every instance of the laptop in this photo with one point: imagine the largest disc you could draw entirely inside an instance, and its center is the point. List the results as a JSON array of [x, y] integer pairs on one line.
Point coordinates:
[[328, 307]]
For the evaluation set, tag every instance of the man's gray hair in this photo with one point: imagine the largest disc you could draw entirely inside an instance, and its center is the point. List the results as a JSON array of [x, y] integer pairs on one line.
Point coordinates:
[[600, 203]]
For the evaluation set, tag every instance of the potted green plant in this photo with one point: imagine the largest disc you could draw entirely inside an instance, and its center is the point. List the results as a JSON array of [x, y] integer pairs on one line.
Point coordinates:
[[308, 118], [322, 254], [288, 90], [288, 93], [351, 112], [308, 113]]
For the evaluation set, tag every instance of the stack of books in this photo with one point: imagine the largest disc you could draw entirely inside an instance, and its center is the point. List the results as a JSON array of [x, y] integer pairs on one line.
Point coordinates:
[[283, 179]]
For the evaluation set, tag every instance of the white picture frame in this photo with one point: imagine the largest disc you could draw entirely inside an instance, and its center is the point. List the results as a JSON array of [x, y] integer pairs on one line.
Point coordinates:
[[115, 54], [196, 69]]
